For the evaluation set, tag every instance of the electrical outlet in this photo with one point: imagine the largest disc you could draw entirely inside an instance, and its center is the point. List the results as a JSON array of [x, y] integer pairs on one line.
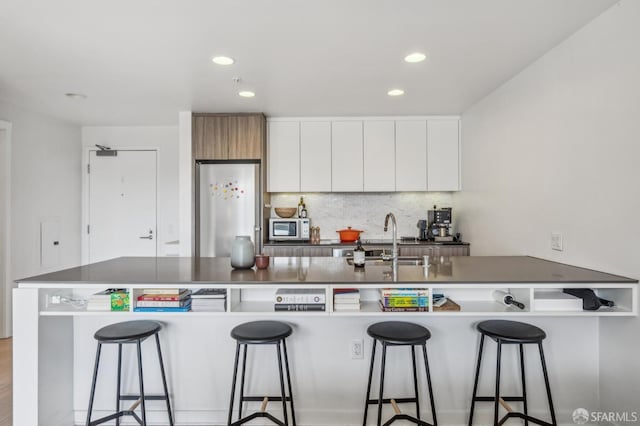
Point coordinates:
[[556, 241], [357, 349]]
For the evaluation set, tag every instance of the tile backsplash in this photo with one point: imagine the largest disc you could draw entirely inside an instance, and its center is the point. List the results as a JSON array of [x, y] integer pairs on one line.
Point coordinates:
[[365, 211]]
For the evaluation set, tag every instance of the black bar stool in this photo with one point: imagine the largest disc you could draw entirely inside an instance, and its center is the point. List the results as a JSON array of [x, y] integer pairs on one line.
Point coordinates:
[[129, 332], [261, 333], [511, 332], [398, 333]]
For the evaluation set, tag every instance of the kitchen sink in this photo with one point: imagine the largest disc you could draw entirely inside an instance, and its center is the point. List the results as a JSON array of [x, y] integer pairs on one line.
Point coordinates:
[[402, 260]]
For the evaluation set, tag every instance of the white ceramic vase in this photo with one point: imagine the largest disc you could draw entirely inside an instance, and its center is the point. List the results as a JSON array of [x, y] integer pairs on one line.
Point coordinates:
[[242, 252]]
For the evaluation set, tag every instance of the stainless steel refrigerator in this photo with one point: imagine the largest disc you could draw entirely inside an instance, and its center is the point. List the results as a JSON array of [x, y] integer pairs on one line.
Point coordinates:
[[228, 200]]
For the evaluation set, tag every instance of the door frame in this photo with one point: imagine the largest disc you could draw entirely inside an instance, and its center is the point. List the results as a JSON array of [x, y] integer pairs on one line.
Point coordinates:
[[6, 285], [86, 152]]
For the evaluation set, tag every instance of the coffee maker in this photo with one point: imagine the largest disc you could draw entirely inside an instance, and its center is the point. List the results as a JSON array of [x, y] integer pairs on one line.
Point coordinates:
[[437, 227]]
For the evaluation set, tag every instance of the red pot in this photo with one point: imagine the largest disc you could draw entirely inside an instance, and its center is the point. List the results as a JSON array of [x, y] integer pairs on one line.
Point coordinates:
[[349, 235]]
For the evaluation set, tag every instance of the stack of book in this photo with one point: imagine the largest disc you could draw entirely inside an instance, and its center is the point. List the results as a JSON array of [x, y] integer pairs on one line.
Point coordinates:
[[209, 300], [404, 300], [300, 299], [111, 299], [164, 300], [346, 299]]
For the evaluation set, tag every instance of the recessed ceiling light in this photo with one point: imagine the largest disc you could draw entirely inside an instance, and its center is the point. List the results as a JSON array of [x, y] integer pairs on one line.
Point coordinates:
[[76, 96], [246, 94], [415, 57], [395, 92], [222, 60]]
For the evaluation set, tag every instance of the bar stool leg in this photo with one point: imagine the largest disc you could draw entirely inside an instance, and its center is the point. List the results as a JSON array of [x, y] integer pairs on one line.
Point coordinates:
[[475, 383], [380, 398], [164, 380], [524, 386], [366, 401], [546, 382], [284, 396], [286, 366], [242, 375], [93, 384], [118, 392], [143, 405], [233, 383], [431, 399], [497, 397], [415, 381]]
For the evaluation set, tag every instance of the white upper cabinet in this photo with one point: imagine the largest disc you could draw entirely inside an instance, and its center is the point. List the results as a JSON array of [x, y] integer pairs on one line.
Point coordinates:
[[379, 156], [315, 156], [346, 156], [284, 156], [411, 155], [443, 155]]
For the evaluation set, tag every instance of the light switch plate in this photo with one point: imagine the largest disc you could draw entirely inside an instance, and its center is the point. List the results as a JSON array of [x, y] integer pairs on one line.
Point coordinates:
[[556, 241]]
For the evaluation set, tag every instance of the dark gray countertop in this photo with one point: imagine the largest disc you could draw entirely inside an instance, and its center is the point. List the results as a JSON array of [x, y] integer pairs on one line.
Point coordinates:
[[323, 270], [365, 243]]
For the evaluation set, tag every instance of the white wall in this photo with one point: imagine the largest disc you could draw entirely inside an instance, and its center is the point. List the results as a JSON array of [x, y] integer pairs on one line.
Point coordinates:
[[5, 214], [45, 184], [556, 149], [165, 139], [366, 212]]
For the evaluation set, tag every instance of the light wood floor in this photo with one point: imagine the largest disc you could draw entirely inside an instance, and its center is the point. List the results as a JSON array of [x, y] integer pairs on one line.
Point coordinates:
[[5, 382]]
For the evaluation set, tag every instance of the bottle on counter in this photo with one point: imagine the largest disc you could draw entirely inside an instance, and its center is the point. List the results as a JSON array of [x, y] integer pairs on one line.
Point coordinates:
[[358, 255], [300, 207]]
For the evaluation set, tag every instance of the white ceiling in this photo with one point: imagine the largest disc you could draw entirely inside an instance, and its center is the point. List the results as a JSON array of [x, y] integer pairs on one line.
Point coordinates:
[[142, 61]]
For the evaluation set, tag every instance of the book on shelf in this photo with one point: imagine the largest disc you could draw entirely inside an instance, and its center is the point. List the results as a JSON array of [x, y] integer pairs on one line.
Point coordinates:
[[299, 307], [185, 308], [405, 302], [209, 293], [350, 296], [405, 309], [337, 291], [346, 306], [174, 291], [163, 303], [386, 292], [101, 301], [159, 297], [300, 295]]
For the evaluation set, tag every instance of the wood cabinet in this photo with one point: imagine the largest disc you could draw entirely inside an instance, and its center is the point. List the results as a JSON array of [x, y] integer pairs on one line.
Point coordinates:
[[443, 155], [315, 156], [298, 251], [284, 156], [379, 163], [435, 250], [411, 155], [346, 156], [228, 136]]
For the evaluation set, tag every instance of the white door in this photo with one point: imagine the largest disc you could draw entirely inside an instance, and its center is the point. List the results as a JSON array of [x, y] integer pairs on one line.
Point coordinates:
[[122, 205]]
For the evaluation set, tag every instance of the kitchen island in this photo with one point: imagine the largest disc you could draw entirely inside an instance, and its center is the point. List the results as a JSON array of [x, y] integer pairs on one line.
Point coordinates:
[[51, 323]]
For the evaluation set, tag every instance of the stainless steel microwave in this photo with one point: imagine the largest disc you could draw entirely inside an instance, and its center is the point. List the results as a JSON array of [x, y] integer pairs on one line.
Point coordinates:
[[288, 229]]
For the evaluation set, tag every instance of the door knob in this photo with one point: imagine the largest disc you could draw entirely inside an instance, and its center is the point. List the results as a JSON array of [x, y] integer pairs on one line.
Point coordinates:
[[148, 237]]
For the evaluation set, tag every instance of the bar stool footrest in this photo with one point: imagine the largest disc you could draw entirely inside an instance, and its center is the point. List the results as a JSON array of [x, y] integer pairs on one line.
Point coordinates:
[[255, 416], [261, 398], [388, 400], [115, 416], [146, 397], [523, 417], [408, 418], [493, 398]]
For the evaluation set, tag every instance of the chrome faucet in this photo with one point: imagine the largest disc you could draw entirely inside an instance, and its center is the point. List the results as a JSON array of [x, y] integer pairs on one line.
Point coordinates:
[[394, 253]]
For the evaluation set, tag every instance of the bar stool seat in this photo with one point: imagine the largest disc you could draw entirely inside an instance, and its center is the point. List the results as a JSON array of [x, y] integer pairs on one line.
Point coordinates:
[[511, 333], [261, 333], [399, 333], [122, 333]]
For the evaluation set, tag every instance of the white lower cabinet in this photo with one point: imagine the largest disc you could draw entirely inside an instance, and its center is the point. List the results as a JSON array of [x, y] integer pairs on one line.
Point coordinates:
[[379, 156], [346, 156]]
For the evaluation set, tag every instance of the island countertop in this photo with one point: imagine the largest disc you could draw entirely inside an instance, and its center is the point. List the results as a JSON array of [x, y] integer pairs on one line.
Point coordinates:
[[185, 271]]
